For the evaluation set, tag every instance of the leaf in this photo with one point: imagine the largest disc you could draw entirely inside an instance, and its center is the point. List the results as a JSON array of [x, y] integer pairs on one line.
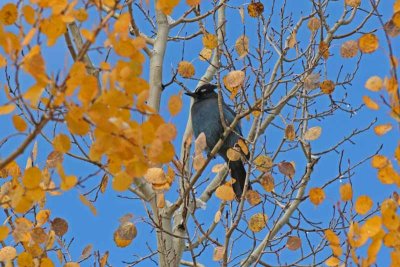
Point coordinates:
[[225, 192], [287, 169], [59, 226], [383, 129], [217, 216], [374, 83], [19, 123], [314, 24], [267, 182], [218, 253], [32, 177], [255, 9], [363, 204], [290, 134], [200, 144], [263, 163], [86, 251], [6, 109], [186, 69], [372, 226], [346, 192], [198, 161], [124, 235], [7, 253], [155, 176], [25, 259], [327, 87], [53, 159], [253, 197], [210, 41], [292, 41], [332, 262], [88, 203], [104, 183], [243, 146], [122, 181], [103, 259], [42, 217], [8, 14], [371, 104], [233, 154], [293, 243], [317, 195], [313, 133], [217, 168], [160, 200], [166, 132], [62, 143], [324, 50], [368, 43], [4, 231], [242, 46], [257, 222], [205, 54], [349, 49], [379, 161], [352, 3], [311, 81], [234, 79]]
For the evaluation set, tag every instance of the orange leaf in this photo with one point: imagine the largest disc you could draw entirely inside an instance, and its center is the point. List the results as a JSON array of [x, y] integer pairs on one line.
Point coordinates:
[[370, 103], [368, 43], [346, 192], [382, 129], [363, 204], [317, 195]]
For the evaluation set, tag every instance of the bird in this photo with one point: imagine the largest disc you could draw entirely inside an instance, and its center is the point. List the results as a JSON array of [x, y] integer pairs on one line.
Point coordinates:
[[206, 119]]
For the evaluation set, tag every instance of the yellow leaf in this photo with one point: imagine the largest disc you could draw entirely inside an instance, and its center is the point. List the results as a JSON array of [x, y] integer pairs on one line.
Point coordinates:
[[257, 222], [290, 133], [370, 103], [7, 253], [193, 2], [372, 226], [42, 217], [210, 41], [205, 54], [68, 182], [186, 69], [8, 14], [61, 143], [225, 192], [313, 133], [233, 154], [314, 24], [346, 192], [4, 231], [81, 14], [175, 104], [88, 203], [368, 43], [28, 37], [218, 253], [25, 259], [29, 14], [332, 262], [317, 195], [6, 109], [363, 204], [267, 182], [383, 129], [234, 79], [263, 163], [122, 181], [46, 262], [253, 197], [327, 87], [32, 177], [255, 9], [125, 233], [379, 161], [89, 90], [374, 83], [19, 123], [3, 61], [349, 49], [242, 46]]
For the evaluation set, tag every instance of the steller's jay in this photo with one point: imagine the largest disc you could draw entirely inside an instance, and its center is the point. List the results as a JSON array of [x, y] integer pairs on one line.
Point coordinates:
[[206, 118]]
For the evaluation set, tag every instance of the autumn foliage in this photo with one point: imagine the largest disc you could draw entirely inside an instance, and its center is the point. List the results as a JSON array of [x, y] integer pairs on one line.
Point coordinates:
[[102, 107]]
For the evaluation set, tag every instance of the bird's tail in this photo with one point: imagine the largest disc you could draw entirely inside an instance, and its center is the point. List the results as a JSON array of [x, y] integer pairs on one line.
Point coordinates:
[[239, 174]]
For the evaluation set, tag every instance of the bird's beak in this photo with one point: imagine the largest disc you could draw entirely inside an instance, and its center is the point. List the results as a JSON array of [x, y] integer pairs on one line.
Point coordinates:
[[190, 94]]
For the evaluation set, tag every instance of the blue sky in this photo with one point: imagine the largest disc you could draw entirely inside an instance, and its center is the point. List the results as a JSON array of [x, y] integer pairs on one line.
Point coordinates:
[[98, 230]]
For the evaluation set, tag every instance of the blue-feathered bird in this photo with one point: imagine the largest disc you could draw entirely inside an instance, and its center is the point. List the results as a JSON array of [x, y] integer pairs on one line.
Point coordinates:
[[206, 118]]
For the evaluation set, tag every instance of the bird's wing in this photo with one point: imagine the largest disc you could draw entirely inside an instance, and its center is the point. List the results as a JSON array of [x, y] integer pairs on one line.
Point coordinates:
[[229, 116]]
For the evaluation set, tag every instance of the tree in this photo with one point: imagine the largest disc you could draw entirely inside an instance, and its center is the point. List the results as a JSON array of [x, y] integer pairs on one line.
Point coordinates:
[[287, 70]]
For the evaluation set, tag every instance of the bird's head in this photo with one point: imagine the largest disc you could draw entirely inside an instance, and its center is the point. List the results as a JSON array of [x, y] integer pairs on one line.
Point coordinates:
[[203, 92]]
